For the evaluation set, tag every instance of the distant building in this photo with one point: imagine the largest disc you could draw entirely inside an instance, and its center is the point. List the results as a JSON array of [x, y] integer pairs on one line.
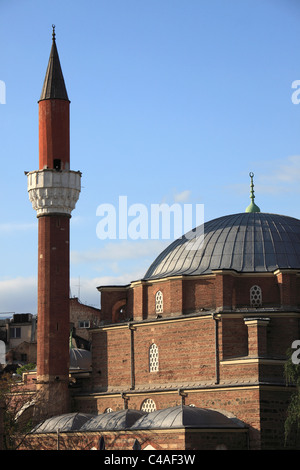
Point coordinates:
[[19, 335], [19, 332], [82, 319]]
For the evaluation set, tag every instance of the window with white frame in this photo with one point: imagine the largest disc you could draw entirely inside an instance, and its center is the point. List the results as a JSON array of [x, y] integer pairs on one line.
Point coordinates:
[[148, 405], [153, 358], [158, 302], [255, 296], [83, 323], [15, 332]]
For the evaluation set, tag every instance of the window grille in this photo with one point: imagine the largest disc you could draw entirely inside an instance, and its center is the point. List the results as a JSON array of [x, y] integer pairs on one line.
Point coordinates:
[[159, 302], [255, 296], [153, 358], [148, 405]]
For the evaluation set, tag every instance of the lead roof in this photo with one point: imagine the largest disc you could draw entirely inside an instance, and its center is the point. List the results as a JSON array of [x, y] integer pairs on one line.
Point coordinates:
[[180, 416], [245, 242], [54, 85]]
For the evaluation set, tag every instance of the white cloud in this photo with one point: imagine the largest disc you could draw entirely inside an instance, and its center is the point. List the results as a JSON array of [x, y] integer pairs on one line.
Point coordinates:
[[280, 176], [284, 171], [86, 289], [9, 227], [183, 196], [120, 262], [18, 295], [125, 250]]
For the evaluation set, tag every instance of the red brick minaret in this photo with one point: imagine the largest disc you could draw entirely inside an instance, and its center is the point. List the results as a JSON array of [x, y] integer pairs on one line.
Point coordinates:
[[53, 190]]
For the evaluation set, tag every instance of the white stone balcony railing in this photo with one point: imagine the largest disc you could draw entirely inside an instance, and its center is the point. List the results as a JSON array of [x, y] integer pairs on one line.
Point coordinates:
[[53, 192]]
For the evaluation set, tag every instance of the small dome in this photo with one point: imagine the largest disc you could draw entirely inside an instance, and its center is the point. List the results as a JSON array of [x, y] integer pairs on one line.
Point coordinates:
[[186, 416], [123, 419], [245, 242], [63, 423]]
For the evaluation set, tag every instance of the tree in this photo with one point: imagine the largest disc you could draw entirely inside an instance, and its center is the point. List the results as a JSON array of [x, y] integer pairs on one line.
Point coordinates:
[[21, 410], [15, 421], [292, 423]]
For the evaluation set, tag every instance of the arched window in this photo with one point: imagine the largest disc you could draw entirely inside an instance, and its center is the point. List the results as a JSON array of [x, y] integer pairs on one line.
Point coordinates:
[[153, 358], [255, 296], [148, 405], [158, 302], [119, 312], [108, 410]]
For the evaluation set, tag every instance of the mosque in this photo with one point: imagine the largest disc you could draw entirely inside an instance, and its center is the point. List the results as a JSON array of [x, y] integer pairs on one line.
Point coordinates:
[[192, 355]]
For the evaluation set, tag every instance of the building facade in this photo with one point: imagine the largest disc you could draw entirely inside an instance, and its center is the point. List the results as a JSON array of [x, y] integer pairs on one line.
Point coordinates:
[[194, 352], [209, 329]]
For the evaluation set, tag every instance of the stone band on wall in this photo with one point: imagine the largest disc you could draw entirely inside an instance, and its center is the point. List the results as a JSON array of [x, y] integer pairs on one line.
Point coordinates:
[[53, 192]]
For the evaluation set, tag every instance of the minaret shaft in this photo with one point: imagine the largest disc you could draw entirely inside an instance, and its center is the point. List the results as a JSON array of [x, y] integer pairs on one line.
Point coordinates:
[[54, 134], [53, 297]]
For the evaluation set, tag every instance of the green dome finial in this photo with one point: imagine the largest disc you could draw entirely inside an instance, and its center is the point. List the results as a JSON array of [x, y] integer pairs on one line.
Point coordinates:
[[252, 207]]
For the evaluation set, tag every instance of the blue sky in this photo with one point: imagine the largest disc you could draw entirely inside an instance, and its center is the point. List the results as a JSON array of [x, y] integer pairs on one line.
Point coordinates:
[[171, 101]]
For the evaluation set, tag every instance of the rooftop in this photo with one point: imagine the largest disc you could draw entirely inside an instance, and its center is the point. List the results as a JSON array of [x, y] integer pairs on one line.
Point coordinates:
[[245, 242]]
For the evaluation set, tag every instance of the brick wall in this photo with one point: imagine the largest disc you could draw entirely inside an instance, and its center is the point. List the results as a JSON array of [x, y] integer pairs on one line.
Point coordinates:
[[109, 297], [267, 283], [185, 353], [221, 290], [171, 440]]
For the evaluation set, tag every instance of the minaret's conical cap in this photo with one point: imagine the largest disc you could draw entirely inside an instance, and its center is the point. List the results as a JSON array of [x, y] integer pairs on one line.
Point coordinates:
[[54, 85]]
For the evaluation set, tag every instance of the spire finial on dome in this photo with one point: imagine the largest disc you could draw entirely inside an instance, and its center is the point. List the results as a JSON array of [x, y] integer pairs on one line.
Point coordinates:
[[252, 207]]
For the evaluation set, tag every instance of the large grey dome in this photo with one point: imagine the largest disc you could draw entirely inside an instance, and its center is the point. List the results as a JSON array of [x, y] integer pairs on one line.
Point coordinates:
[[246, 242]]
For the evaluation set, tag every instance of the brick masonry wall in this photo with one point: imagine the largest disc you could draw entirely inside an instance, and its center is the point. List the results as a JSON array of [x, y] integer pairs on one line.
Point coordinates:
[[185, 354], [198, 293], [53, 296], [182, 295], [109, 297], [282, 331], [273, 415], [233, 337], [111, 359], [268, 285], [261, 408], [248, 355], [172, 440], [214, 440], [239, 402], [187, 359]]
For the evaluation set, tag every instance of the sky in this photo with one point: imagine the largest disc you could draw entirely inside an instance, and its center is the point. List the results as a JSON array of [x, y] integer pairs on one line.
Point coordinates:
[[172, 102]]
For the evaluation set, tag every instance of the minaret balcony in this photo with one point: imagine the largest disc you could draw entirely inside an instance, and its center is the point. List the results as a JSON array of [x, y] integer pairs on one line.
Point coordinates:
[[53, 192]]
